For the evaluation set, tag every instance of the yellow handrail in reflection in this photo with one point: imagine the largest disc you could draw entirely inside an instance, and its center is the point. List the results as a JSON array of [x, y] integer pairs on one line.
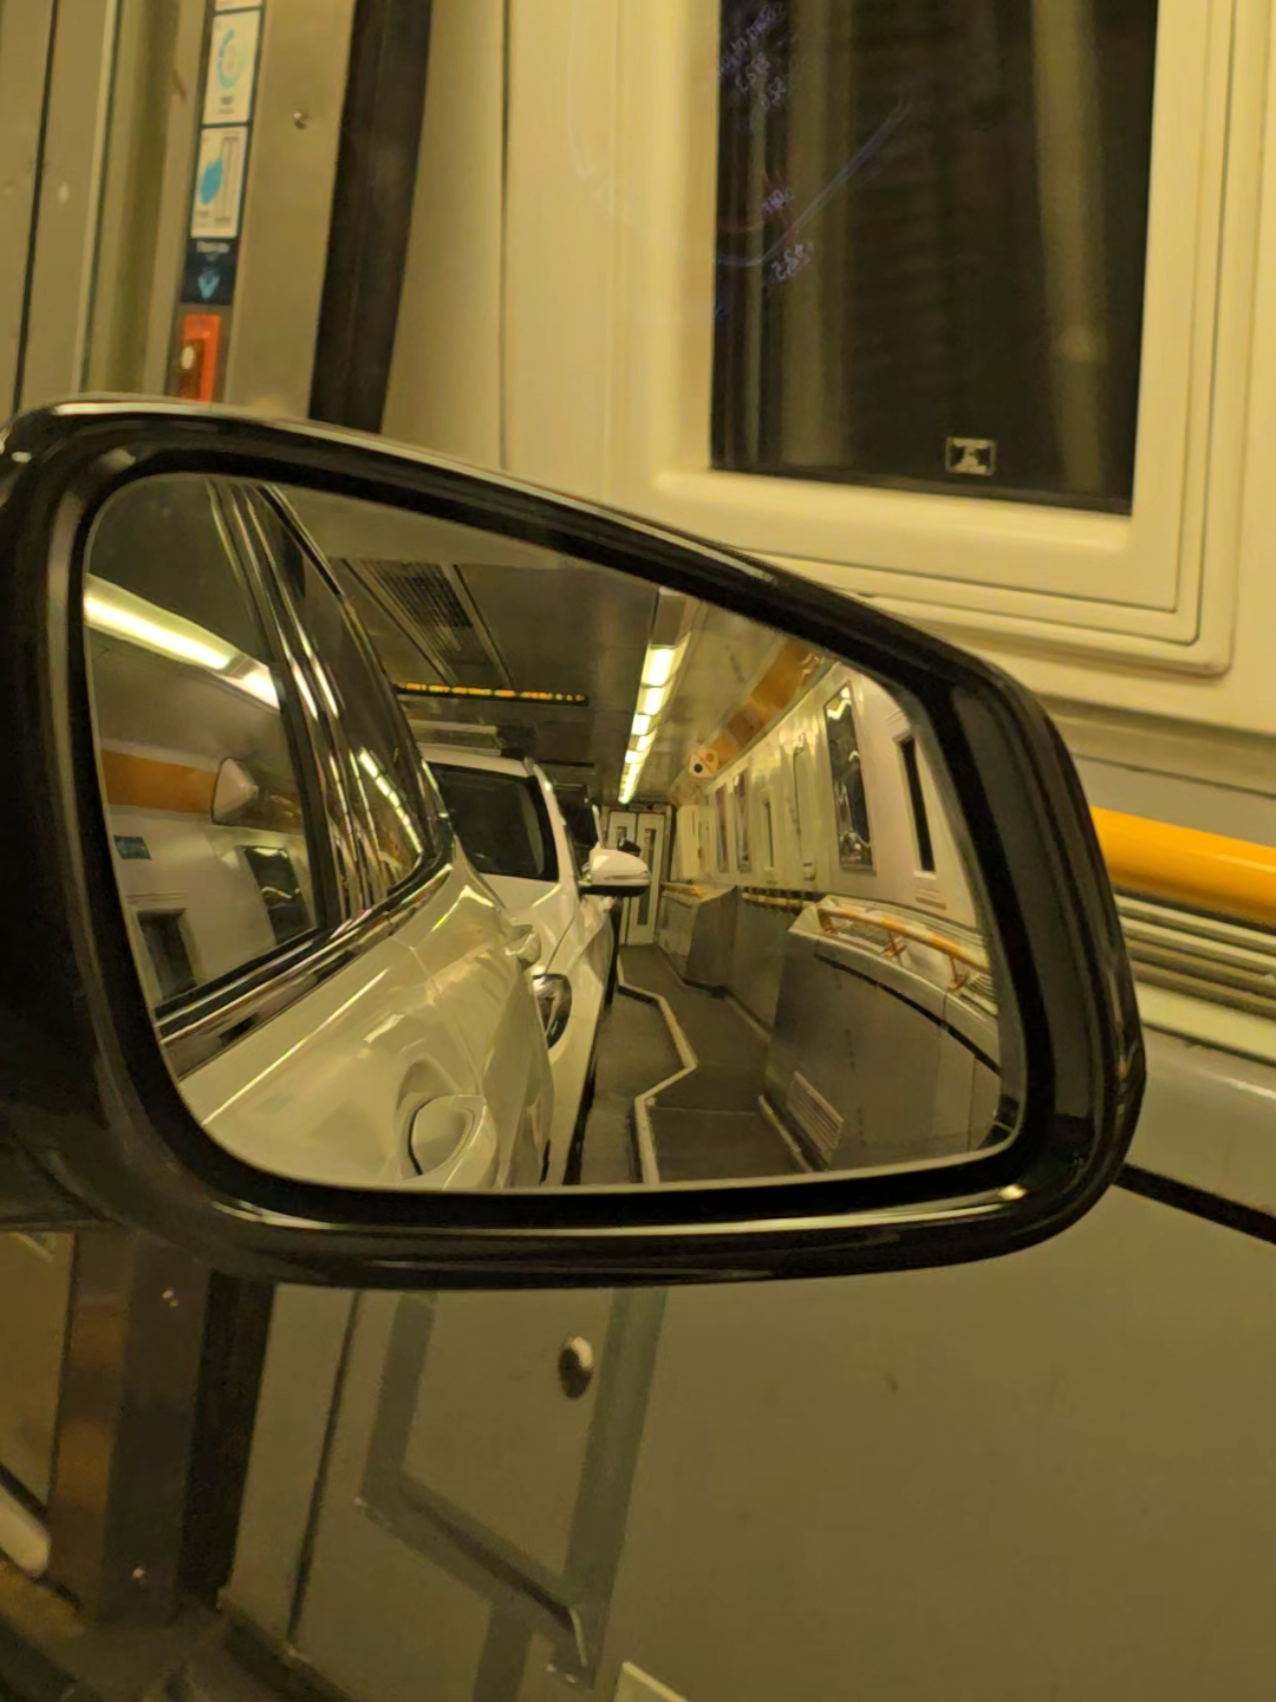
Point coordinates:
[[766, 901], [1182, 865], [898, 930]]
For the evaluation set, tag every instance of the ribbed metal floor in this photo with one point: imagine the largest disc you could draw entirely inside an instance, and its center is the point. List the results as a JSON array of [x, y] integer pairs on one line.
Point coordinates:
[[707, 1127], [634, 1053]]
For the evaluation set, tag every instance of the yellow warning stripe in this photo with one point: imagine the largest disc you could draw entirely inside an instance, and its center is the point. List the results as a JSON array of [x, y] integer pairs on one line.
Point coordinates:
[[145, 783]]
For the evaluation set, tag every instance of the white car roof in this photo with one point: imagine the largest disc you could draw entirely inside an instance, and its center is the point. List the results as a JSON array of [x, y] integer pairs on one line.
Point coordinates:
[[462, 756]]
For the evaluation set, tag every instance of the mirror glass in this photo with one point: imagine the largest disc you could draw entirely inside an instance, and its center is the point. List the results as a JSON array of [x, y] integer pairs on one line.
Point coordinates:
[[452, 862]]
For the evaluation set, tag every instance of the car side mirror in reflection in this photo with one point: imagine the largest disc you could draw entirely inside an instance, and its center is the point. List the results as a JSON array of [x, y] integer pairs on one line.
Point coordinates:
[[299, 973], [615, 874]]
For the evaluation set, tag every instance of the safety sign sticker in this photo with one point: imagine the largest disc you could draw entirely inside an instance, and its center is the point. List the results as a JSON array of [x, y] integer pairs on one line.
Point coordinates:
[[232, 66], [209, 274], [219, 181]]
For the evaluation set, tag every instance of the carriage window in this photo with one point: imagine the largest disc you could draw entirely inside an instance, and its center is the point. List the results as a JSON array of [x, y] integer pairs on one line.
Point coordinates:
[[198, 769], [932, 235], [921, 822], [720, 805], [281, 890], [850, 805], [804, 807], [769, 822], [166, 946], [740, 796]]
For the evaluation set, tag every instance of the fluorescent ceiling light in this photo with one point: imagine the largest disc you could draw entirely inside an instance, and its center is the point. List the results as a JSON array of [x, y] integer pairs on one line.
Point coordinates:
[[642, 724], [651, 700], [658, 665], [109, 609], [644, 743]]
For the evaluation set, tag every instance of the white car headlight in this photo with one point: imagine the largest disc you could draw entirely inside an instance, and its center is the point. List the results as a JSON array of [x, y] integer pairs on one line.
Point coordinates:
[[554, 1002]]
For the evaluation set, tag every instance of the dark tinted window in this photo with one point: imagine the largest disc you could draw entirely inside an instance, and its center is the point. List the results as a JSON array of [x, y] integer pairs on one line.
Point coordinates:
[[921, 821], [166, 945], [501, 821], [280, 887], [932, 235]]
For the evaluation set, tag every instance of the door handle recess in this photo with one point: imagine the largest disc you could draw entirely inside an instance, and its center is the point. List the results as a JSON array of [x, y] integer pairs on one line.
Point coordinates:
[[452, 1143], [525, 946]]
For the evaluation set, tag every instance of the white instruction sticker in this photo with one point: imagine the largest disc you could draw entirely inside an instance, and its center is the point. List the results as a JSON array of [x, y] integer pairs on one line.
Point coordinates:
[[219, 181], [232, 66]]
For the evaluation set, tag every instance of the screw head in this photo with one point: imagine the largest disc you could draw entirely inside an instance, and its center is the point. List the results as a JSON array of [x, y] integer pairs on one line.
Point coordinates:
[[577, 1363]]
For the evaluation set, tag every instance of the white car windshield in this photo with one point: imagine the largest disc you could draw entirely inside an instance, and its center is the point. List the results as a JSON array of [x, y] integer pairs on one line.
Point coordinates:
[[501, 820]]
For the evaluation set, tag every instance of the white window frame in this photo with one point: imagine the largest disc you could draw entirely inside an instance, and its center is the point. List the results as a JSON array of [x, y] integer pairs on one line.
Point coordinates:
[[1131, 586]]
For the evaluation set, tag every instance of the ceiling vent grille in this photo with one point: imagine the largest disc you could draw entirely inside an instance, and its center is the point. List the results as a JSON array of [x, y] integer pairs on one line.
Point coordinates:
[[437, 617]]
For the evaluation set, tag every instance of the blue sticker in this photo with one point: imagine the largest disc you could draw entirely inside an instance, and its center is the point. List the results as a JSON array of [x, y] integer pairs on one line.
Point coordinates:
[[210, 180], [131, 848]]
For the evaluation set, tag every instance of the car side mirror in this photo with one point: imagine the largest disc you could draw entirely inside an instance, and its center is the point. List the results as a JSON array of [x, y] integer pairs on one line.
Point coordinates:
[[615, 874], [264, 996]]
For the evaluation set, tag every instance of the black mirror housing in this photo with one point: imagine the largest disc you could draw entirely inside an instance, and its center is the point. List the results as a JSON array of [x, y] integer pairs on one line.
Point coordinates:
[[93, 1127]]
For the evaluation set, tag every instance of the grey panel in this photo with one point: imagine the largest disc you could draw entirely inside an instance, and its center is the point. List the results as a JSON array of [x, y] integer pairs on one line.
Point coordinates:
[[513, 1465], [432, 1504], [35, 1291], [1043, 1476], [24, 52], [867, 1036], [69, 200], [145, 194], [697, 935], [288, 205], [1209, 1118], [296, 1407], [758, 957]]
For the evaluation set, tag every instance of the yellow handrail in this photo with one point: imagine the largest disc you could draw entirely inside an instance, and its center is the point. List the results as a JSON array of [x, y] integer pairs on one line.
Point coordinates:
[[1233, 878], [1182, 865], [898, 930], [767, 902]]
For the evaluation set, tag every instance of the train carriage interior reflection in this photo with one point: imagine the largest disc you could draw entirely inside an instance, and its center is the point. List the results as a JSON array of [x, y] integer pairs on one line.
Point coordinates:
[[802, 981], [456, 863]]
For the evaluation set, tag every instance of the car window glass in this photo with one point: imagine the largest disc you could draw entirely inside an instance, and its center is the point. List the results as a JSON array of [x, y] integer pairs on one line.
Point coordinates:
[[382, 763], [500, 819], [200, 772]]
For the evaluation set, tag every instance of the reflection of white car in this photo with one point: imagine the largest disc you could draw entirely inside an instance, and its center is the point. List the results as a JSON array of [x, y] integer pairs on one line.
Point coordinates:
[[509, 822], [341, 996]]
